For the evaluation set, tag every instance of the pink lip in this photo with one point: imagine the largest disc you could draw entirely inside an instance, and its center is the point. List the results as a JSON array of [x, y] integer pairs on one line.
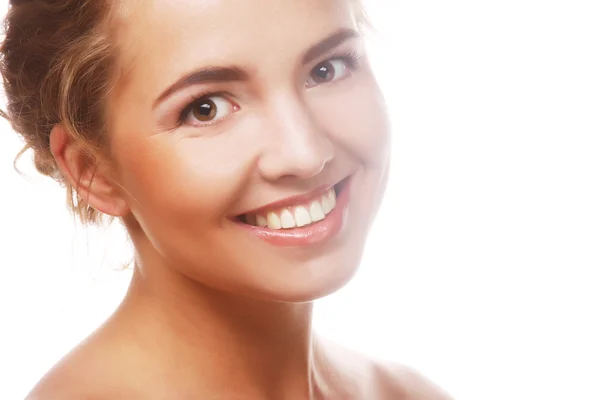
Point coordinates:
[[311, 234]]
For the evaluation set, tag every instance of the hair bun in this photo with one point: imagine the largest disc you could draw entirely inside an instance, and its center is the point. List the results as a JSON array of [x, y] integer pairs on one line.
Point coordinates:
[[42, 90]]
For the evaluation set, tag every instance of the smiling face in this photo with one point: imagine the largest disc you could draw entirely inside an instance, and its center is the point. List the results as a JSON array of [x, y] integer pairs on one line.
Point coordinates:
[[252, 142]]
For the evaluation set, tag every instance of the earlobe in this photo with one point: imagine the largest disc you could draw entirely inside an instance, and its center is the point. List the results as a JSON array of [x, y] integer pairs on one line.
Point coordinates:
[[91, 180]]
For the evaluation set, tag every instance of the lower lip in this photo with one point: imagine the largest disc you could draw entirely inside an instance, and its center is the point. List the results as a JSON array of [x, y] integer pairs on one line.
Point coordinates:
[[311, 234]]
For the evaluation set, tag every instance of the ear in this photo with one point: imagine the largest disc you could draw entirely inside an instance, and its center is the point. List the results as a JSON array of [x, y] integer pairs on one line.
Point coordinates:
[[93, 182]]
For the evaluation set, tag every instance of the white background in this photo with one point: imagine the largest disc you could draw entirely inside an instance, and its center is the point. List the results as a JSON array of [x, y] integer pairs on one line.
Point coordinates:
[[483, 268]]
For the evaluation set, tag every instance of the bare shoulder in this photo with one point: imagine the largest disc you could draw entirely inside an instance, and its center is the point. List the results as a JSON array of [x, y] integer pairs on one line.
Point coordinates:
[[369, 378], [73, 377], [396, 381], [94, 370]]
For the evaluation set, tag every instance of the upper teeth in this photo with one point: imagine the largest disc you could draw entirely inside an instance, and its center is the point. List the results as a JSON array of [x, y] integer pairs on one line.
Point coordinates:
[[295, 216]]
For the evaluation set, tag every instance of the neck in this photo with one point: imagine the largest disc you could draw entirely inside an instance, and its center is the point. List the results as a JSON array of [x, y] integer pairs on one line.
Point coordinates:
[[258, 348]]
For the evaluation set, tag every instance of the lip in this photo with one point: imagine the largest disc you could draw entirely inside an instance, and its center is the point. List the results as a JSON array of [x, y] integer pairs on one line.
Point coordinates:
[[290, 201], [311, 234]]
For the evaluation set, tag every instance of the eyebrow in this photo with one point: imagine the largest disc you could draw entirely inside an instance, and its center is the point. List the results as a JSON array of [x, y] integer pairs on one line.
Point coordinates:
[[204, 75], [329, 43], [235, 73]]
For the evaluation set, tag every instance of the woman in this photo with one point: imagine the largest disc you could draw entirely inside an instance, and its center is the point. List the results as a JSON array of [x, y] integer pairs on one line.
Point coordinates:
[[245, 147]]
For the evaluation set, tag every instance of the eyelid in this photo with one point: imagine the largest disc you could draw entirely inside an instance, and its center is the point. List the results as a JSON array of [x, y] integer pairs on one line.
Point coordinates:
[[352, 55]]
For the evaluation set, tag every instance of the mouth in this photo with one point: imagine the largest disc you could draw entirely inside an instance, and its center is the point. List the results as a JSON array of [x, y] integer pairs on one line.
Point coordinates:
[[301, 221], [300, 214]]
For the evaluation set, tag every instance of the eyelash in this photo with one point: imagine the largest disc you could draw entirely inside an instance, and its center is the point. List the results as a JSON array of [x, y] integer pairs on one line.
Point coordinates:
[[351, 59]]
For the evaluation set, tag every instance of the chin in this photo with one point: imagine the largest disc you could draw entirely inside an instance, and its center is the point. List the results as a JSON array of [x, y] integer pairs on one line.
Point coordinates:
[[297, 282], [310, 289]]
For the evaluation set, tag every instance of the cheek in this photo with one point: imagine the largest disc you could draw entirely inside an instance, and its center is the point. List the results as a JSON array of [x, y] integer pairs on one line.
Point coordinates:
[[357, 120], [181, 180]]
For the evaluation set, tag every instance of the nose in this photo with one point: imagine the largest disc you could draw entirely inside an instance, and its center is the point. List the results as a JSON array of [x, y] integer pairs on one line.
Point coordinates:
[[296, 146]]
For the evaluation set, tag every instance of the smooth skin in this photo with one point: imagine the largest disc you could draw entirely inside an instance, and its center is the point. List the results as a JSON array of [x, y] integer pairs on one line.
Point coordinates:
[[213, 312]]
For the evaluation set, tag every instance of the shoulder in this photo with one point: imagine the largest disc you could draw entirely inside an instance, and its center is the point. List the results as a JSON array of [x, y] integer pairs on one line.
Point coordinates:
[[396, 381], [368, 377], [94, 370], [71, 378]]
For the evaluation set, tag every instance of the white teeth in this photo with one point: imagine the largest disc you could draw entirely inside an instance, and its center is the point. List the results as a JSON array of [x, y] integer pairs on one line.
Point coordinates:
[[316, 211], [328, 201], [326, 204], [287, 219], [332, 198], [273, 221], [261, 221], [302, 216]]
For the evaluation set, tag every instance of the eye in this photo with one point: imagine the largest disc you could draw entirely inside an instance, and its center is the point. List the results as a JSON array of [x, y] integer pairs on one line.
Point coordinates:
[[327, 71], [207, 110]]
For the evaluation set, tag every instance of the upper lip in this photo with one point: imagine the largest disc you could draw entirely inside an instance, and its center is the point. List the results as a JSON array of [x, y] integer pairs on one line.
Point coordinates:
[[292, 200]]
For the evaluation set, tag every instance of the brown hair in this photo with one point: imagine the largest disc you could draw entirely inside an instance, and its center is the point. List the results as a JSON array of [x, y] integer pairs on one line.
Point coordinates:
[[57, 66]]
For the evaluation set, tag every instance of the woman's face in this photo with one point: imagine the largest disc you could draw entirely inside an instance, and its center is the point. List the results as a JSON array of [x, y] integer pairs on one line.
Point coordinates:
[[252, 142]]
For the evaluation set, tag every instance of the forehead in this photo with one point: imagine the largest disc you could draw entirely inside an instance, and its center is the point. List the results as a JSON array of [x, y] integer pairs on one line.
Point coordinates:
[[166, 38]]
